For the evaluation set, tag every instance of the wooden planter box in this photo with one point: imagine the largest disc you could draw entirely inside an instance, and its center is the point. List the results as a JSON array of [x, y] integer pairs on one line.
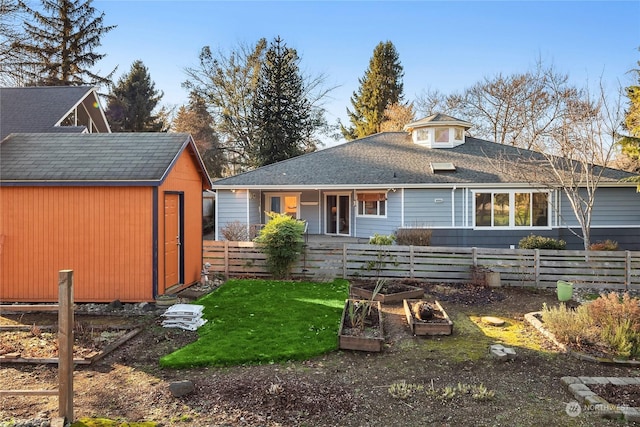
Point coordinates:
[[419, 327], [361, 342], [411, 292]]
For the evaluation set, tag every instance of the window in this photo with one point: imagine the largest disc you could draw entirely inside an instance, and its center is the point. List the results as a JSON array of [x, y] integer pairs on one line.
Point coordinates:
[[442, 134], [422, 135], [458, 134], [283, 203], [372, 204], [512, 209]]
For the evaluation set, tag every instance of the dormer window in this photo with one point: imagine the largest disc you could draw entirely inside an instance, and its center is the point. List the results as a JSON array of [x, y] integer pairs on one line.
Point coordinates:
[[438, 131]]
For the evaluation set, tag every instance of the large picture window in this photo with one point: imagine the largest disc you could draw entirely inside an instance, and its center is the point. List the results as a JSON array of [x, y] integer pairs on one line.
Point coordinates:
[[283, 203], [372, 204], [512, 209]]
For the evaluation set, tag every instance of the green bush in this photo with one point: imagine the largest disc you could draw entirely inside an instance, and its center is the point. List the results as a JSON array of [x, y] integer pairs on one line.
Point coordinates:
[[283, 243], [414, 236], [381, 239], [541, 242]]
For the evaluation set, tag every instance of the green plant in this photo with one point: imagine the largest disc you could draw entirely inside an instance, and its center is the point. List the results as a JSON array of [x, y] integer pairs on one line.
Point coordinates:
[[282, 240], [414, 236], [382, 240], [569, 326], [540, 242], [480, 392], [607, 245], [402, 390], [358, 311]]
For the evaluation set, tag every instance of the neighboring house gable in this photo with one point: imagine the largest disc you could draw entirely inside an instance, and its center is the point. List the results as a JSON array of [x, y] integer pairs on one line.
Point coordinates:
[[433, 175], [51, 109]]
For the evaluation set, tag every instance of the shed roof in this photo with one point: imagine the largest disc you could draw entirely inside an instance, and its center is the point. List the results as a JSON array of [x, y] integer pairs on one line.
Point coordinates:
[[40, 108], [392, 159], [116, 158]]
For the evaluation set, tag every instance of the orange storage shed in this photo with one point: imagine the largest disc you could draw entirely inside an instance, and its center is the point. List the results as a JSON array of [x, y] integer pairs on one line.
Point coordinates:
[[122, 210]]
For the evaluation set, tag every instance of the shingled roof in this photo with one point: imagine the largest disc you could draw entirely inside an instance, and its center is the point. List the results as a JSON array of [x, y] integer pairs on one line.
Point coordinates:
[[99, 158], [39, 109], [391, 159]]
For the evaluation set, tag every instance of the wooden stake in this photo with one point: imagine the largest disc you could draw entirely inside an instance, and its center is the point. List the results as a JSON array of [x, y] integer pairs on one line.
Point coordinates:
[[65, 344]]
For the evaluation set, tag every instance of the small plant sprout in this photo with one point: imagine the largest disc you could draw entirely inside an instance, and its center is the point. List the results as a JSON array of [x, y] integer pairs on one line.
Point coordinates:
[[448, 393], [480, 392], [275, 389], [402, 390]]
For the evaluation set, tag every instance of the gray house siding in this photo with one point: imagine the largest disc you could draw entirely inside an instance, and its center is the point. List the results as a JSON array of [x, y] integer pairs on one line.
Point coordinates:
[[612, 207], [310, 211], [367, 226], [432, 207], [230, 207]]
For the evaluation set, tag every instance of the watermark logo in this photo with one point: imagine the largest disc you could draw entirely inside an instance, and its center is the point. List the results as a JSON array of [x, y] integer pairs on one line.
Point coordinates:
[[573, 409]]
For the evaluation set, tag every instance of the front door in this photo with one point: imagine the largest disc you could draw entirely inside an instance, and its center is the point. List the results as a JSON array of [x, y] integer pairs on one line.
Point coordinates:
[[172, 240], [338, 217]]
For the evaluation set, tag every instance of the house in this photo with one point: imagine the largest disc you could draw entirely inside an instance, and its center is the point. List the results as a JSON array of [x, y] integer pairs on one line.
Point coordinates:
[[51, 109], [432, 175], [123, 210]]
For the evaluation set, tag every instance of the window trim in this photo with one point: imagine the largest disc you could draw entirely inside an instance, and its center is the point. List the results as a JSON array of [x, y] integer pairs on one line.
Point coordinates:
[[365, 215], [268, 196], [512, 194]]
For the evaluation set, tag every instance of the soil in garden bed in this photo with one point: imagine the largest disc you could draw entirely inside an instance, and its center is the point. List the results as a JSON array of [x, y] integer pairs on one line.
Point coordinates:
[[427, 312], [389, 287], [627, 395], [371, 325]]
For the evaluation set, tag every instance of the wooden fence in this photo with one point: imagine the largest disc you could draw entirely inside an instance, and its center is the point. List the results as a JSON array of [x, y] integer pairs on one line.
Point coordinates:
[[616, 270]]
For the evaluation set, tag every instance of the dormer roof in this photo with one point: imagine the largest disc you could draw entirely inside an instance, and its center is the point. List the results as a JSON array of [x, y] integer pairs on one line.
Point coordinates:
[[437, 119]]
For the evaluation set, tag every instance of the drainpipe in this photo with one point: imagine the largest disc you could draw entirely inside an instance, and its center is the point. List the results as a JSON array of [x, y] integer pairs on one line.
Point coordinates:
[[453, 206]]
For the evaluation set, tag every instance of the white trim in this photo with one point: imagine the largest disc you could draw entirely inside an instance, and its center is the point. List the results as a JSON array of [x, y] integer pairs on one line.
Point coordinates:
[[511, 192], [282, 194], [401, 207]]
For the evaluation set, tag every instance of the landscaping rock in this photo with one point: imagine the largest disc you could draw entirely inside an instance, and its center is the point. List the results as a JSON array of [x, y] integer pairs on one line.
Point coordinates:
[[502, 353], [493, 321], [181, 388]]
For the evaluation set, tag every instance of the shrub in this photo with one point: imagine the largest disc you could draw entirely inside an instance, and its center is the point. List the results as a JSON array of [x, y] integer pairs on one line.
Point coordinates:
[[569, 326], [235, 232], [607, 245], [541, 242], [381, 239], [414, 236], [283, 243]]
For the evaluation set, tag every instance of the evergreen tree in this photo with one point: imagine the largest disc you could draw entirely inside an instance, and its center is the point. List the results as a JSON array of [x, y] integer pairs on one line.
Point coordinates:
[[132, 101], [380, 87], [59, 42], [282, 115], [196, 120]]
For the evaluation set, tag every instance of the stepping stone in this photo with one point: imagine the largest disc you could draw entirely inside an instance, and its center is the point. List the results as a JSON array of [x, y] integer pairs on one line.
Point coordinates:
[[493, 321]]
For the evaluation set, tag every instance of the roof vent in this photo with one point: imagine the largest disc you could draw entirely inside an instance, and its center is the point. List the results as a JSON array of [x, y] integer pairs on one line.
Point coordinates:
[[442, 167]]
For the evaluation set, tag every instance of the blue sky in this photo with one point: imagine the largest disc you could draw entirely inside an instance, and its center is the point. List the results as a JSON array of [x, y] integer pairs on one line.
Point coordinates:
[[446, 46]]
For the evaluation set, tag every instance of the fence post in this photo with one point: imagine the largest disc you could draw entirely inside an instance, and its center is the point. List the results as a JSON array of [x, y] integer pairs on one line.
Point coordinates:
[[411, 261], [627, 270], [536, 266], [226, 258], [344, 260], [65, 344], [474, 256]]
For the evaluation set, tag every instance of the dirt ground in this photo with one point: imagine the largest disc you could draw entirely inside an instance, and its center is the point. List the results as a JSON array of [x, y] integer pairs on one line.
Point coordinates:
[[342, 388]]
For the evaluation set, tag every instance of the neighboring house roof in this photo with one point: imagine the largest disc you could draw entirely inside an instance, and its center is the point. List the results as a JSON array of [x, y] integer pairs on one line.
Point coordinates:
[[93, 159], [43, 108], [391, 159]]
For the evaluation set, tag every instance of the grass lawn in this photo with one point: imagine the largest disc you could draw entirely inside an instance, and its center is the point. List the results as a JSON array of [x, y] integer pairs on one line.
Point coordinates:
[[264, 321]]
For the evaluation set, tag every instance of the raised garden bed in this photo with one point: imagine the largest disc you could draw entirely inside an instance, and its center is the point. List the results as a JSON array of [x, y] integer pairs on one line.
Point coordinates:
[[393, 291], [437, 322], [367, 335]]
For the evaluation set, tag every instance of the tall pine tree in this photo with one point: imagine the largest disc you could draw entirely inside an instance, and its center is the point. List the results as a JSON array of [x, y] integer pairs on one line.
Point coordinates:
[[59, 43], [196, 120], [380, 88], [132, 101], [281, 114]]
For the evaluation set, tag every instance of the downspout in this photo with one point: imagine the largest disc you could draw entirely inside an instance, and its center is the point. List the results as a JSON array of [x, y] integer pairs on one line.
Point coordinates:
[[248, 216], [354, 213], [215, 215], [319, 212], [453, 206], [401, 208]]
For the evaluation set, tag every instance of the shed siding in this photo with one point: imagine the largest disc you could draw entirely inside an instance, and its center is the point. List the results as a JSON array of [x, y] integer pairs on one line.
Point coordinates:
[[184, 178], [103, 234]]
